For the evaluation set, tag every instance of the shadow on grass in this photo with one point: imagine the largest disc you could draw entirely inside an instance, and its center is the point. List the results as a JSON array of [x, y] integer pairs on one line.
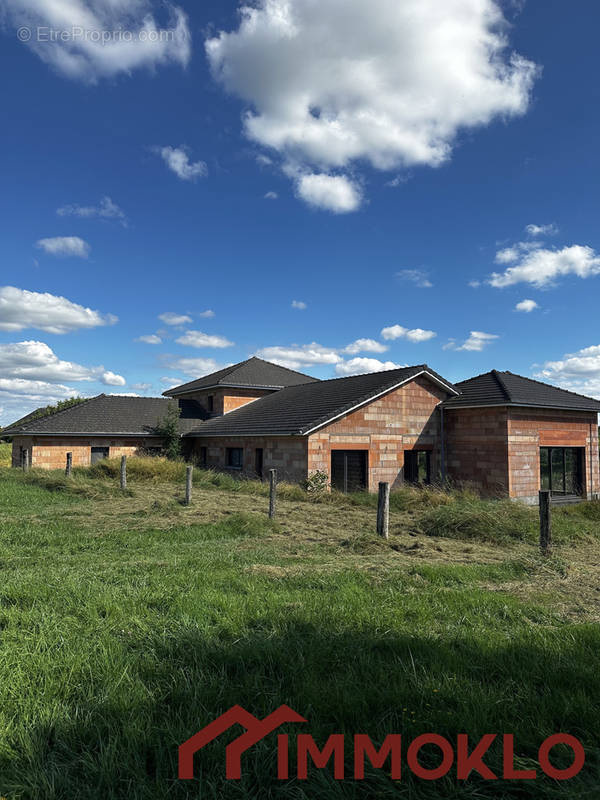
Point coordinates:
[[110, 743]]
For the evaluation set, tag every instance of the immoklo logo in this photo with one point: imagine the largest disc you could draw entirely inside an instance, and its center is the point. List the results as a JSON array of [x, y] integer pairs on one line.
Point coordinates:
[[468, 756]]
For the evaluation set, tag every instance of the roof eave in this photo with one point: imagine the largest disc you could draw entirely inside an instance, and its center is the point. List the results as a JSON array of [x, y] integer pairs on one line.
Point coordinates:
[[520, 405], [172, 393]]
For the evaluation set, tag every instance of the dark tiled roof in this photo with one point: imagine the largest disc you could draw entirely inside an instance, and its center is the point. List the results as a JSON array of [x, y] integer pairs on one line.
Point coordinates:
[[504, 388], [252, 373], [111, 415], [299, 409]]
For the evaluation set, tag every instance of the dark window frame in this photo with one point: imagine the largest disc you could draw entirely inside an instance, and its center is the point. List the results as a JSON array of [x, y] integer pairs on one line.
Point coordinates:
[[210, 403], [555, 480], [345, 456], [232, 460], [95, 451], [204, 457]]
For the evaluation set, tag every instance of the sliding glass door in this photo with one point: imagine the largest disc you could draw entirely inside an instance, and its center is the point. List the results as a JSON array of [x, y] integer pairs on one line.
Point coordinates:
[[562, 469]]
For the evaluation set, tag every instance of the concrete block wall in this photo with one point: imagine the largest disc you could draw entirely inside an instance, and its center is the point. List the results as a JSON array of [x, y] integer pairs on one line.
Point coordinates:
[[476, 448], [404, 419], [286, 454]]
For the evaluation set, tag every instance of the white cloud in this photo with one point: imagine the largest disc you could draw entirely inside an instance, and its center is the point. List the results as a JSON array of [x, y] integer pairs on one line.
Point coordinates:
[[474, 284], [299, 305], [106, 209], [170, 382], [33, 390], [193, 367], [151, 338], [332, 84], [36, 361], [178, 161], [578, 372], [64, 246], [359, 366], [417, 276], [170, 318], [527, 306], [542, 267], [297, 357], [271, 196], [476, 342], [86, 47], [20, 309], [199, 339], [141, 387], [365, 346], [335, 193], [110, 379], [542, 230], [416, 335], [208, 314]]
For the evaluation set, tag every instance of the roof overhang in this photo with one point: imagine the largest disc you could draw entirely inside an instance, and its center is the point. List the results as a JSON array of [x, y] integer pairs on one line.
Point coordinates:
[[87, 434], [173, 393], [520, 405]]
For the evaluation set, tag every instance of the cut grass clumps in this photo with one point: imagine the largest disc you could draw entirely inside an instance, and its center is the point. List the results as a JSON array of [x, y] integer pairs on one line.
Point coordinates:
[[481, 520]]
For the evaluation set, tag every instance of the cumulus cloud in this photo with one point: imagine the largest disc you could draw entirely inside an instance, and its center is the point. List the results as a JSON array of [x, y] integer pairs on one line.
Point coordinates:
[[541, 267], [171, 318], [477, 341], [20, 309], [178, 161], [299, 305], [527, 306], [105, 209], [199, 339], [542, 230], [208, 314], [151, 338], [339, 82], [193, 367], [35, 390], [300, 356], [36, 361], [416, 335], [335, 193], [271, 196], [417, 276], [87, 50], [64, 246], [141, 387], [360, 366], [365, 346], [578, 372]]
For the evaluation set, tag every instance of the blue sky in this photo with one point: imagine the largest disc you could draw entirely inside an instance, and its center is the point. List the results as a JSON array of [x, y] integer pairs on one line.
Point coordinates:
[[383, 170]]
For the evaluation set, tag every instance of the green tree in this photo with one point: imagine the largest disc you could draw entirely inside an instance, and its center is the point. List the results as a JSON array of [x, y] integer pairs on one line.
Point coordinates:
[[168, 430]]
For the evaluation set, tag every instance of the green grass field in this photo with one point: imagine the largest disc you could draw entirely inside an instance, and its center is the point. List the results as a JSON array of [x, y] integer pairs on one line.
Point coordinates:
[[128, 622]]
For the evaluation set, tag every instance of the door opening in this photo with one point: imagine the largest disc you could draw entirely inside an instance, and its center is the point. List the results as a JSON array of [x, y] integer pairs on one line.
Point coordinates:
[[349, 470]]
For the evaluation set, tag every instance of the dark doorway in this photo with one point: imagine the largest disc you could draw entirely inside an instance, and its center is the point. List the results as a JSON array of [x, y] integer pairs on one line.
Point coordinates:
[[562, 470], [349, 470], [99, 453], [417, 466], [258, 462], [203, 457]]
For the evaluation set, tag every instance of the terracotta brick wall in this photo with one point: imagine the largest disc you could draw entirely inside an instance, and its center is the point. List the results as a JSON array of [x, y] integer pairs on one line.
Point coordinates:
[[477, 449], [225, 400], [51, 453], [530, 429], [405, 419], [286, 454]]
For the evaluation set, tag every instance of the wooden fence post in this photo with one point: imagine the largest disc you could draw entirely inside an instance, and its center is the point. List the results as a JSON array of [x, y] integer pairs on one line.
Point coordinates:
[[545, 522], [123, 472], [272, 493], [188, 485], [383, 511], [25, 460], [69, 466]]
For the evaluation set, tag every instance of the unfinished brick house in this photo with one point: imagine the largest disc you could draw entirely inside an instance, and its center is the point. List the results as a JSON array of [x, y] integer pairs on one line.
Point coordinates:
[[499, 433]]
